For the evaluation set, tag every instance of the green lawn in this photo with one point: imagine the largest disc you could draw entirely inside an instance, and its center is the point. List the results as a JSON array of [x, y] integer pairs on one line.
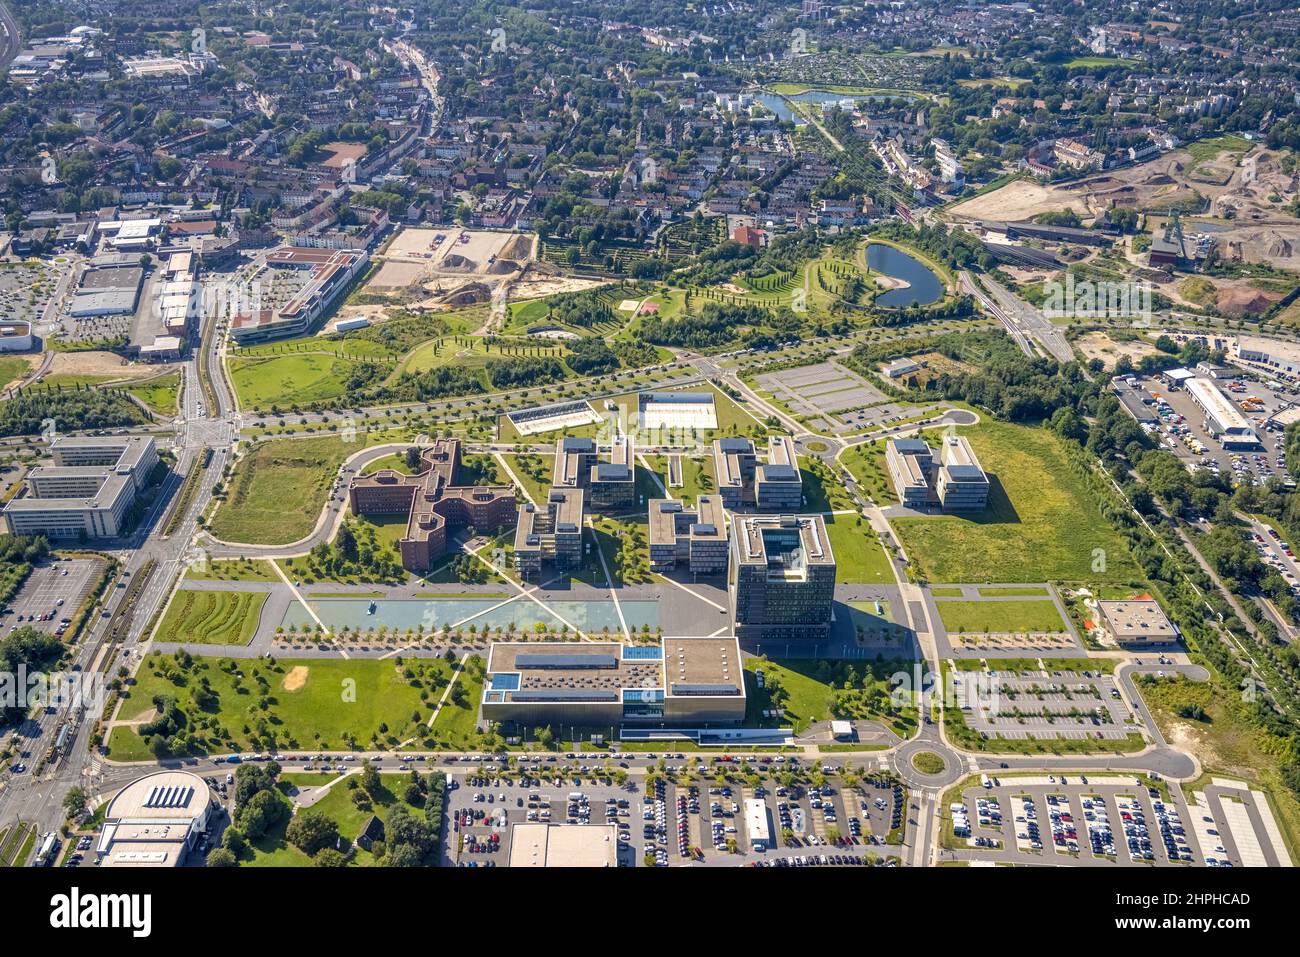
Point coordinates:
[[1007, 591], [160, 393], [212, 617], [278, 489], [258, 704], [1041, 524], [867, 464], [273, 850], [1000, 616], [859, 556], [12, 367], [534, 472], [234, 570], [286, 380], [697, 476]]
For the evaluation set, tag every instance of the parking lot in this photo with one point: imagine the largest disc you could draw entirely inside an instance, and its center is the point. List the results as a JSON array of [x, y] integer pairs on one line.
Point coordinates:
[[682, 817], [1054, 704], [52, 594], [1070, 819], [830, 397], [1181, 428]]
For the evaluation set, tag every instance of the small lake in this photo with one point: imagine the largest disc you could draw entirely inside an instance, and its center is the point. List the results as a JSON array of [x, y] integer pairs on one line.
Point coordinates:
[[924, 286], [403, 613], [783, 112]]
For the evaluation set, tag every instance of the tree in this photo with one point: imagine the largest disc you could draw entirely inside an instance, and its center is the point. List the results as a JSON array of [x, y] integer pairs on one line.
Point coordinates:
[[311, 831], [220, 857], [346, 543], [74, 802], [264, 811], [412, 458]]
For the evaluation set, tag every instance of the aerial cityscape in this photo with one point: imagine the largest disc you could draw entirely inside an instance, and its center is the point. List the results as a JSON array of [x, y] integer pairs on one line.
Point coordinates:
[[762, 433]]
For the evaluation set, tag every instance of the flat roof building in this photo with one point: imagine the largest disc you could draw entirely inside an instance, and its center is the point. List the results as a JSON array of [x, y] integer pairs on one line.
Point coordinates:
[[609, 484], [696, 537], [782, 577], [746, 482], [88, 492], [954, 481], [330, 271], [433, 503], [550, 532], [563, 845], [1138, 623], [962, 485], [677, 682], [155, 821], [1222, 418]]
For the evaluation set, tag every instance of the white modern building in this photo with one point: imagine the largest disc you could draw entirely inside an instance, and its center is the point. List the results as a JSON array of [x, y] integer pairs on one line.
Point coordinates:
[[1222, 418], [155, 821], [89, 490]]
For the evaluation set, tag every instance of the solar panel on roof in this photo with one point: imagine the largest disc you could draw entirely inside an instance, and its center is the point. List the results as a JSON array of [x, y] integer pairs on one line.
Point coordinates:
[[534, 659], [688, 688], [566, 694]]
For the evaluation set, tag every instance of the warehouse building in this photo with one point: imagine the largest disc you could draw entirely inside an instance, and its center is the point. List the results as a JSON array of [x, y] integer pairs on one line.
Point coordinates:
[[15, 335], [434, 504], [110, 286], [746, 482], [534, 844], [609, 484], [155, 821], [678, 682], [1222, 418], [551, 532], [695, 537], [330, 272], [88, 492], [782, 577]]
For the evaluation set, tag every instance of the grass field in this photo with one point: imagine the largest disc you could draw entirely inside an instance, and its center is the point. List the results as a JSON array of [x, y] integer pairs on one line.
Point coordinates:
[[234, 570], [1226, 743], [160, 394], [278, 489], [287, 380], [1000, 616], [13, 367], [212, 617], [272, 850], [325, 704], [1041, 523], [859, 557]]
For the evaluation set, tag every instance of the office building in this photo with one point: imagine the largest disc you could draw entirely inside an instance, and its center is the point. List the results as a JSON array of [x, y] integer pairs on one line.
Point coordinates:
[[746, 482], [910, 462], [329, 273], [954, 482], [608, 484], [550, 532], [782, 577], [694, 537], [88, 492], [434, 503], [1138, 624], [677, 682], [961, 485]]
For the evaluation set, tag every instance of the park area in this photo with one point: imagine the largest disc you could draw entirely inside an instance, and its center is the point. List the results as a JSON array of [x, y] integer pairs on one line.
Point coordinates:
[[278, 488], [212, 617], [1041, 522], [223, 704]]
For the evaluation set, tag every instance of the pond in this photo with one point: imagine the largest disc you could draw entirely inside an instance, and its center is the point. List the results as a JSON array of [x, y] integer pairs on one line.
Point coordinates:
[[923, 286], [781, 108], [524, 614]]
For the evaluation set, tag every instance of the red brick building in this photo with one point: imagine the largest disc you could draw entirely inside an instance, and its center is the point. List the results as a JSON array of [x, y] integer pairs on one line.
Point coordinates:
[[434, 504]]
